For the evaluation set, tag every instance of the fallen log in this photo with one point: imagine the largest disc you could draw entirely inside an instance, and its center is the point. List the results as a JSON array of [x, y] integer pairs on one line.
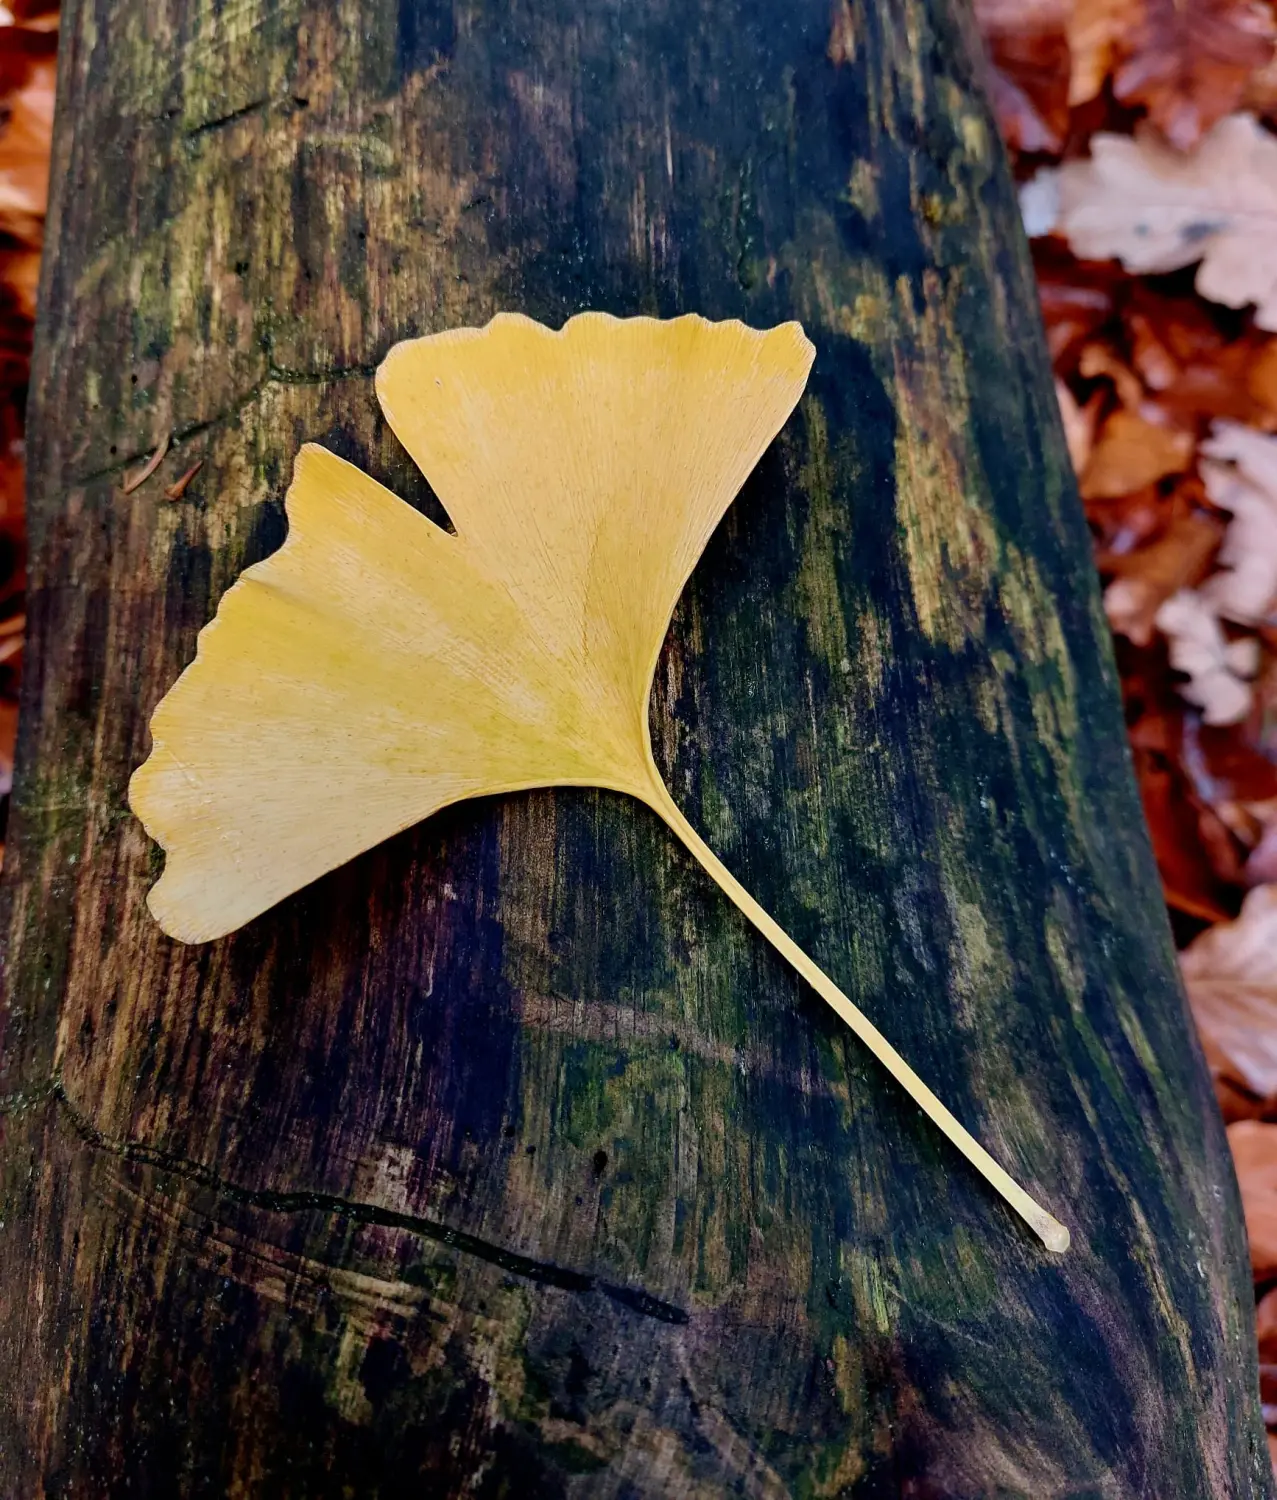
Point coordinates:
[[508, 1159]]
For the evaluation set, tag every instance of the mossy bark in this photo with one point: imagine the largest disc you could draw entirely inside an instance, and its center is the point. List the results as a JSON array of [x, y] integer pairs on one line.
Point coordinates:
[[509, 1160]]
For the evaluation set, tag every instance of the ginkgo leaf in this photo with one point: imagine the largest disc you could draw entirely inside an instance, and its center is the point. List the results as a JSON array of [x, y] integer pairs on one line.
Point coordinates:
[[377, 667], [395, 668], [1154, 210]]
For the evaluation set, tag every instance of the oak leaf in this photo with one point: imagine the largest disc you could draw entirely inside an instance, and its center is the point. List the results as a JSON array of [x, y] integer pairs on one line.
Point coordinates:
[[1254, 1148], [1188, 64], [1240, 474], [1039, 199], [1096, 30], [1143, 203], [24, 155], [1261, 863], [1217, 669], [1029, 80], [1166, 332], [1176, 826], [377, 667], [1076, 297], [1235, 380], [1079, 424], [1260, 93], [1230, 973], [1099, 361], [1147, 577], [1189, 61], [8, 734], [1132, 452], [20, 272]]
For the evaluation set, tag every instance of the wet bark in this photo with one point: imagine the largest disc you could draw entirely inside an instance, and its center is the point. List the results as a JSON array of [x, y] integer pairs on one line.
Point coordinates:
[[508, 1159]]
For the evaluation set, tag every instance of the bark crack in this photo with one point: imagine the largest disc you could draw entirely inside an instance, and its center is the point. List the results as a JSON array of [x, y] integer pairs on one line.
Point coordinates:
[[544, 1272], [219, 122], [275, 375]]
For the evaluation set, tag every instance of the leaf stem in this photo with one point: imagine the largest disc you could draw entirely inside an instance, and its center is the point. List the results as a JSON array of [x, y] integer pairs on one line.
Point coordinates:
[[1052, 1233]]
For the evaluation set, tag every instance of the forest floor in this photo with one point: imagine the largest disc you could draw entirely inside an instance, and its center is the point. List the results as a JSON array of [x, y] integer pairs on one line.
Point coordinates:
[[1142, 133], [28, 53]]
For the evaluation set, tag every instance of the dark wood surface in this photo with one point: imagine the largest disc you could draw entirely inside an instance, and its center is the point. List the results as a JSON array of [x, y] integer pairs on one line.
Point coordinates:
[[508, 1161]]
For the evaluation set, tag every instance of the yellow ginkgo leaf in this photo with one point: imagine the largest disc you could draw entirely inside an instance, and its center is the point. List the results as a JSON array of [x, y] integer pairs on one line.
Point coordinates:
[[377, 668]]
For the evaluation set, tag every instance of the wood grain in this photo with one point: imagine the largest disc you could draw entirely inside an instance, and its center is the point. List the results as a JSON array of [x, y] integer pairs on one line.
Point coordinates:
[[508, 1160]]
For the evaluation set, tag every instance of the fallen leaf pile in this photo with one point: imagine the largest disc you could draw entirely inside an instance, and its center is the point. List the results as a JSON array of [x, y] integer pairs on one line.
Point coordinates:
[[28, 44], [1144, 137]]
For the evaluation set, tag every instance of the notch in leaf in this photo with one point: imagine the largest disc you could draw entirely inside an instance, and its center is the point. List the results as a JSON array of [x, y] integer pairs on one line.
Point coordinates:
[[377, 668]]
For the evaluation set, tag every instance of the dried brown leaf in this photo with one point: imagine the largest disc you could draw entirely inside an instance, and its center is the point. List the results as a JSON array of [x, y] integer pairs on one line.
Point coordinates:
[[1230, 973], [1099, 361], [1175, 826], [1261, 866], [1229, 768], [1240, 473], [1096, 30], [1254, 1147], [1217, 669], [8, 737], [12, 485], [1131, 453], [1236, 381], [20, 272], [1128, 523], [1260, 93], [1261, 378], [1076, 298], [1029, 80], [24, 155], [1189, 61], [12, 631], [1155, 210], [1150, 354], [1149, 576], [1079, 424], [33, 12]]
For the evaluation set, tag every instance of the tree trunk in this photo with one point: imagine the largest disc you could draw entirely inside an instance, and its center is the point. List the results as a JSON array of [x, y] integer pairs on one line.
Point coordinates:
[[508, 1160]]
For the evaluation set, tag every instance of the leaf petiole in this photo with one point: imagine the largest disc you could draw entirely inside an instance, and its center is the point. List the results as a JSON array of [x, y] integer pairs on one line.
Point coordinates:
[[1049, 1230]]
